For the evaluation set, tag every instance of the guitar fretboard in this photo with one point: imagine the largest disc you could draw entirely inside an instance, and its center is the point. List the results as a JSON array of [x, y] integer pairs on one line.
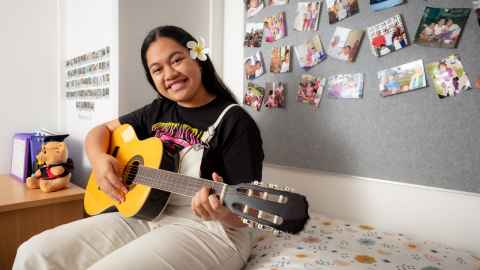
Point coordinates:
[[174, 182]]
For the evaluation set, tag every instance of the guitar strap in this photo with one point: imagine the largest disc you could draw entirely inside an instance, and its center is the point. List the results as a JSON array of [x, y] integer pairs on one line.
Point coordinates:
[[191, 158], [210, 132]]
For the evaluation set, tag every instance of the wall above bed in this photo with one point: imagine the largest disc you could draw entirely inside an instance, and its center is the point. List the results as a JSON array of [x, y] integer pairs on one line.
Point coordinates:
[[413, 137]]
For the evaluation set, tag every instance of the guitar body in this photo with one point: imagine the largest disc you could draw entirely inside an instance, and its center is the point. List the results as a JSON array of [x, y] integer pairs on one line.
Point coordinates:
[[141, 201], [150, 174]]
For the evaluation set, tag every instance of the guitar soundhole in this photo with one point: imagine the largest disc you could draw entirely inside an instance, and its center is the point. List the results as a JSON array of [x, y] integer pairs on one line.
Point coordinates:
[[131, 169]]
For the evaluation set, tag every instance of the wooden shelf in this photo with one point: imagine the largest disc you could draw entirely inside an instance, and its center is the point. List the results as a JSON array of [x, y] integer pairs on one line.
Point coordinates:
[[19, 206], [15, 195]]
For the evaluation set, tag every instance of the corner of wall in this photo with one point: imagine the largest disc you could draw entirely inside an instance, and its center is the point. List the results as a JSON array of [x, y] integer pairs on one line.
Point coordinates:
[[233, 48], [216, 34]]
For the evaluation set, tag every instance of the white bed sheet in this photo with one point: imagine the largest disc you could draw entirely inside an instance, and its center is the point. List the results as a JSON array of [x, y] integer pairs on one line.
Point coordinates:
[[328, 243]]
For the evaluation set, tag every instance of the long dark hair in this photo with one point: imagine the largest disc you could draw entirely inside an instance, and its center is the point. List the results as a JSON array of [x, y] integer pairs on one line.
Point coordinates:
[[210, 79]]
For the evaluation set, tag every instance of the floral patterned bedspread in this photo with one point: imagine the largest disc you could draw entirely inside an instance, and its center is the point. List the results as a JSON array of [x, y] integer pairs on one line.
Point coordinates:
[[333, 244]]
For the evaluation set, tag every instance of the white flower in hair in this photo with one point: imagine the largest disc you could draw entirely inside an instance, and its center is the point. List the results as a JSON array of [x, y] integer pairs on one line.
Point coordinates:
[[197, 49]]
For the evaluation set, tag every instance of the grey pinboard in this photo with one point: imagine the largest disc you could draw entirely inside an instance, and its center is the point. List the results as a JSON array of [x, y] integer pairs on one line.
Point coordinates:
[[413, 137]]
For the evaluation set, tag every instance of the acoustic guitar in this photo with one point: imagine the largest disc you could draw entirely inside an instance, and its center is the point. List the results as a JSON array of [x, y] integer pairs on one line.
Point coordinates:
[[149, 174]]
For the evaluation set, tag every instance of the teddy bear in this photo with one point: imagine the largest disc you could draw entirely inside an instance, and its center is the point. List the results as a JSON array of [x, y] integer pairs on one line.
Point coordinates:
[[55, 168]]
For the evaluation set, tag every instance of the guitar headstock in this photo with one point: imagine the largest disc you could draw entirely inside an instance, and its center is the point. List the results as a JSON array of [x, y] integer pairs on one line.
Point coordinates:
[[268, 206]]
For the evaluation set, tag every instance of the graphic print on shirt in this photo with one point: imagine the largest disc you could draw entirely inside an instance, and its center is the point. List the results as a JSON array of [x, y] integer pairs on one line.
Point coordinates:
[[176, 136]]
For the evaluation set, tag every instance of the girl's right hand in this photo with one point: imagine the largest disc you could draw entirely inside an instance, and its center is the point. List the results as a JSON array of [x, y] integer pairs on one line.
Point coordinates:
[[107, 171]]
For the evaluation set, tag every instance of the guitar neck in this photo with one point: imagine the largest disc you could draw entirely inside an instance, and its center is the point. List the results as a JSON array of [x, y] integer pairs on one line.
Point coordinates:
[[174, 182]]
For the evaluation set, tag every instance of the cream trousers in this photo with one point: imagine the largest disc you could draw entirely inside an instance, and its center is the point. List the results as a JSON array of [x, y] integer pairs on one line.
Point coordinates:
[[109, 241]]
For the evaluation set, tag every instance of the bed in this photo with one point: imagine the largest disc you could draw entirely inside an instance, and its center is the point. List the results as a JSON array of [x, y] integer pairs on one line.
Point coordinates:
[[328, 243]]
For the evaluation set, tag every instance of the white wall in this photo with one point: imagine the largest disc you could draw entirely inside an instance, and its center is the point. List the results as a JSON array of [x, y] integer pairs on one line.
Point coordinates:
[[87, 25], [28, 70], [447, 216], [136, 19], [233, 30]]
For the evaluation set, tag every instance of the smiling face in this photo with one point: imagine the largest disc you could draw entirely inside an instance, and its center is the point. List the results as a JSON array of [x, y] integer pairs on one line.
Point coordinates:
[[175, 74]]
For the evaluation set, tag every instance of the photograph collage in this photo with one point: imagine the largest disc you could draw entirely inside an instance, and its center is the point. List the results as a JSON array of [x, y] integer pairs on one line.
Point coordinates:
[[437, 28]]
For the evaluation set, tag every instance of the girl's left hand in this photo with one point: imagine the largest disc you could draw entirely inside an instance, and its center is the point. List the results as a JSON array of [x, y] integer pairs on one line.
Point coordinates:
[[208, 206]]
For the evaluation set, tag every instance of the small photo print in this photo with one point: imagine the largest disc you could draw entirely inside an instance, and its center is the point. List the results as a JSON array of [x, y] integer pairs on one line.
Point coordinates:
[[402, 78], [310, 53], [448, 76], [341, 9], [384, 4], [253, 35], [345, 86], [254, 67], [275, 95], [308, 15], [274, 27], [345, 43], [387, 36], [477, 82], [476, 7], [441, 27], [253, 7], [280, 61], [254, 96], [310, 90], [276, 2]]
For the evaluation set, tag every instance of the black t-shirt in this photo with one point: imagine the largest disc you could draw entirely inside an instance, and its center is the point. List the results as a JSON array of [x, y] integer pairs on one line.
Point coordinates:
[[235, 152]]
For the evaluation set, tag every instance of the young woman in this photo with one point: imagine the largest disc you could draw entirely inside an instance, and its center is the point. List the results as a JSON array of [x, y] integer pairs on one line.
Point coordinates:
[[191, 233]]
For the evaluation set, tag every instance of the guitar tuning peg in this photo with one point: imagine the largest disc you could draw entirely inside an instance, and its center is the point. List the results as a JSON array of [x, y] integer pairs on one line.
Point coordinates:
[[267, 228], [274, 186], [276, 232], [287, 188], [258, 183], [245, 221], [260, 226]]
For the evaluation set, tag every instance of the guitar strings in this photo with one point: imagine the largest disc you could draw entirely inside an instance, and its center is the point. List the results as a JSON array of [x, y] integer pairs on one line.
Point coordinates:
[[170, 181]]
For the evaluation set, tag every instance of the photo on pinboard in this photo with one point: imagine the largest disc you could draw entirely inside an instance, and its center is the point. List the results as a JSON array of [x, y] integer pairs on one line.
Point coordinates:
[[345, 43], [310, 90], [308, 16], [254, 96], [401, 79], [476, 7], [253, 7], [448, 76], [341, 9], [254, 66], [274, 27], [280, 60], [441, 27], [387, 36], [253, 35], [275, 95], [345, 86], [310, 52], [276, 2], [378, 5]]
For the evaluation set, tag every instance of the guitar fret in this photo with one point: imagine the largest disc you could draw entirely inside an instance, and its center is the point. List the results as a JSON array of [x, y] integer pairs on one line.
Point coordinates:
[[173, 182]]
